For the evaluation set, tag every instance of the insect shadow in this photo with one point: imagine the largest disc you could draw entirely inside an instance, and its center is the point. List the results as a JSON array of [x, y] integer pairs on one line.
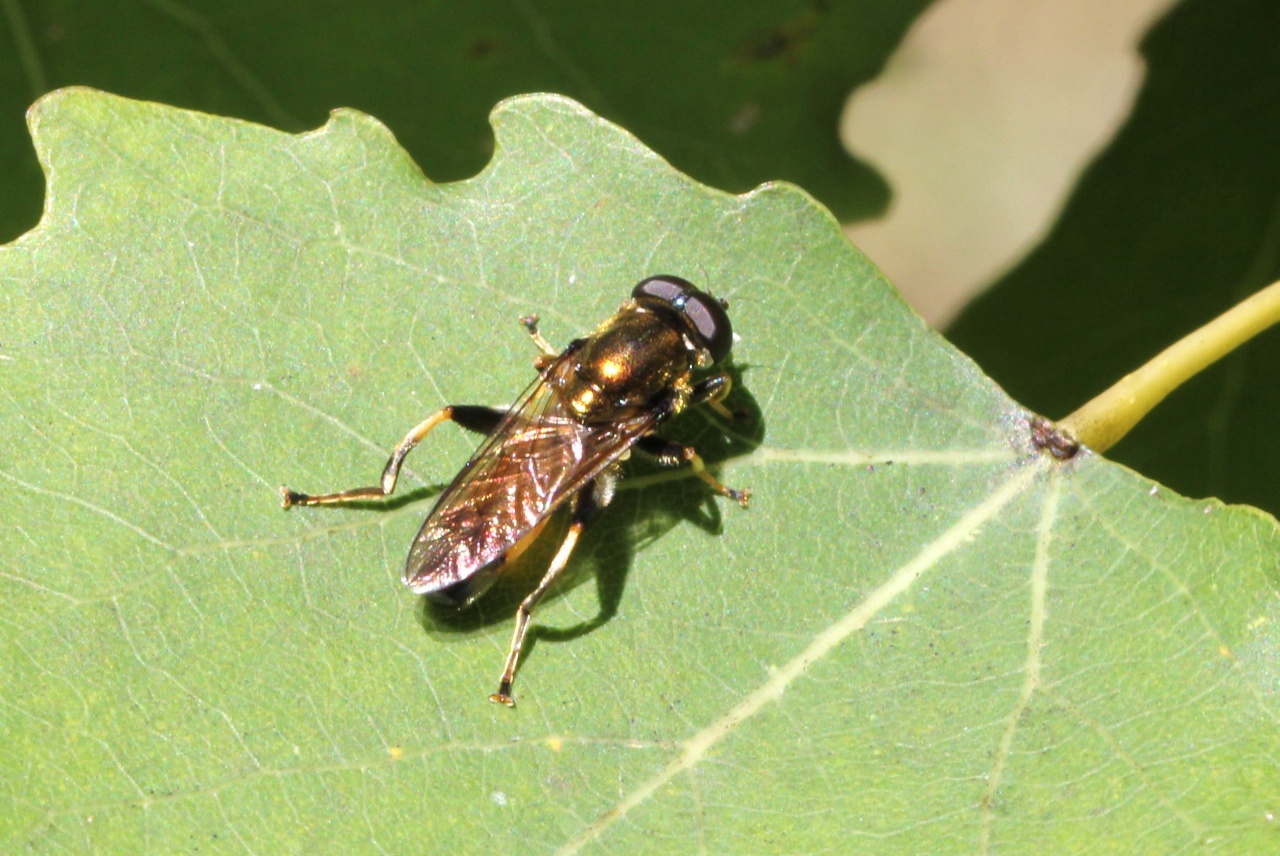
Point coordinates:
[[651, 501]]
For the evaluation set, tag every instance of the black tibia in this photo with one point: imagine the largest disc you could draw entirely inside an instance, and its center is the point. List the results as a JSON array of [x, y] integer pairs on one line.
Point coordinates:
[[713, 389], [472, 417], [671, 454], [708, 392], [477, 418], [711, 392], [587, 505], [662, 450]]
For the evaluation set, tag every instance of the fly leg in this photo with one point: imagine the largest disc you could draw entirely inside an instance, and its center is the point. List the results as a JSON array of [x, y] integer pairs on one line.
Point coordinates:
[[549, 353], [711, 392], [587, 506], [671, 454], [472, 417]]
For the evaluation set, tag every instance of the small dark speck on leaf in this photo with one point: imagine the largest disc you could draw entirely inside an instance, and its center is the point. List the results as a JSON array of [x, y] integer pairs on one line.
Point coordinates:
[[482, 48], [786, 40]]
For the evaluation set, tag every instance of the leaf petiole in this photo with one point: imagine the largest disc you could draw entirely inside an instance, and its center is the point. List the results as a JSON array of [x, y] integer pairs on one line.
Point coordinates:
[[1104, 420]]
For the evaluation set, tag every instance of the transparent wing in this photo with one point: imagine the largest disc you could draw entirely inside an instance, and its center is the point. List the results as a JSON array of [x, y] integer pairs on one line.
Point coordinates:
[[537, 457]]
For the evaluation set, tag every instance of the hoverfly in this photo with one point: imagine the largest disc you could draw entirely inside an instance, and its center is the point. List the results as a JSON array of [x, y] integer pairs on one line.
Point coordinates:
[[562, 442]]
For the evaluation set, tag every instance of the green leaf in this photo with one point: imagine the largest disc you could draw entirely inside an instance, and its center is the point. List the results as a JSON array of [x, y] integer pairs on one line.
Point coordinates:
[[1174, 224], [923, 636]]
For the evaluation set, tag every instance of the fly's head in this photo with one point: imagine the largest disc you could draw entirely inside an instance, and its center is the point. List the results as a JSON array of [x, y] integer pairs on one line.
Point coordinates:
[[645, 354], [701, 317]]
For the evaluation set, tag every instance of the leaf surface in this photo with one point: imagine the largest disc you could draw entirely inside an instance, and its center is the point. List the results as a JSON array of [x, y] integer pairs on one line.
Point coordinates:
[[923, 636]]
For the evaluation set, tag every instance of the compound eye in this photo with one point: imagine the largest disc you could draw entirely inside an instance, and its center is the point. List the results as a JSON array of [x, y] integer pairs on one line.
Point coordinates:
[[671, 290], [711, 322], [703, 311]]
